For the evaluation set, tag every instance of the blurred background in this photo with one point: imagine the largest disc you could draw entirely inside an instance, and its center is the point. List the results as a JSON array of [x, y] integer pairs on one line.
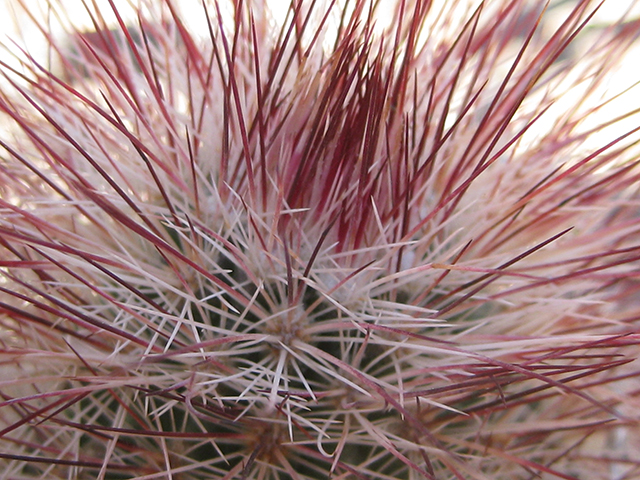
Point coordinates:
[[16, 28]]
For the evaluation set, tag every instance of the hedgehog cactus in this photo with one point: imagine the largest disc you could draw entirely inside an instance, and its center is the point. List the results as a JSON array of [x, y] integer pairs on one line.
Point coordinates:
[[359, 241]]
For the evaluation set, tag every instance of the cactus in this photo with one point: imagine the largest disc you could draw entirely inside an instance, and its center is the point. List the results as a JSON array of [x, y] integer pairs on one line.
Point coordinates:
[[359, 240]]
